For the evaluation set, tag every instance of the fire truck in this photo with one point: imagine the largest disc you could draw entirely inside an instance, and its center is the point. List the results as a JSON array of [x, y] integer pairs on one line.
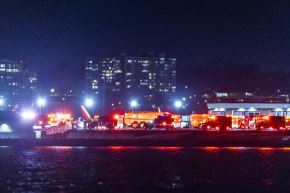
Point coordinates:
[[196, 120], [164, 121], [217, 123], [140, 119], [270, 122], [147, 120]]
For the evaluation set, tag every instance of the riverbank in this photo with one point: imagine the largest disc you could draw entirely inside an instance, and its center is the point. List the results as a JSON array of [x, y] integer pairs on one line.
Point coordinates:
[[187, 138]]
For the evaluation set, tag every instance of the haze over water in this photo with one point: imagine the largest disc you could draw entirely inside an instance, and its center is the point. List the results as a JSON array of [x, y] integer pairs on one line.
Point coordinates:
[[154, 169]]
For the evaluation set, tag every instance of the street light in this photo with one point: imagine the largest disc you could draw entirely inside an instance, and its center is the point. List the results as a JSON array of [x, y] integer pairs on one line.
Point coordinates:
[[41, 102], [2, 102], [178, 104], [133, 104], [89, 102]]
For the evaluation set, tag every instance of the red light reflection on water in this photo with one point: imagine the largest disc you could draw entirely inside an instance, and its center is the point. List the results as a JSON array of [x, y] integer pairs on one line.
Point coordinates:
[[166, 148], [214, 149], [209, 149], [120, 148], [273, 148], [163, 148], [58, 148]]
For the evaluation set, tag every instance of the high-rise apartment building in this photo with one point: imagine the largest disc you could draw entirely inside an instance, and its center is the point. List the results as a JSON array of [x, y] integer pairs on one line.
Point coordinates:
[[104, 75], [150, 79], [16, 82]]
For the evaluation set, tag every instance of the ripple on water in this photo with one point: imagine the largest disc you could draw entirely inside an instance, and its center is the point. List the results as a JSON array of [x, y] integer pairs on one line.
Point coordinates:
[[135, 169]]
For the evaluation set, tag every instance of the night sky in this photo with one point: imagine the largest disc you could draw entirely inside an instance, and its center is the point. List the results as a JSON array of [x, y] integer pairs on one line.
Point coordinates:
[[60, 34]]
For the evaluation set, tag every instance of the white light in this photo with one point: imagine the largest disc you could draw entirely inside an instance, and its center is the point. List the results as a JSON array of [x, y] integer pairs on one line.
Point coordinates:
[[4, 128], [41, 102], [252, 109], [278, 109], [89, 102], [241, 109], [133, 104], [52, 90], [28, 115], [222, 109], [178, 104], [2, 101]]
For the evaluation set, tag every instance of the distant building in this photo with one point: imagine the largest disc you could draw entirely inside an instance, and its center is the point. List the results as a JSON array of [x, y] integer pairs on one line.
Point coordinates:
[[16, 82], [150, 79], [245, 97], [29, 84], [104, 75], [11, 78], [251, 109]]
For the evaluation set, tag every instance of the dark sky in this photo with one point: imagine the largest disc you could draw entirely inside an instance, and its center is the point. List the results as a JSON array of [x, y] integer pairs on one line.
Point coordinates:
[[60, 34]]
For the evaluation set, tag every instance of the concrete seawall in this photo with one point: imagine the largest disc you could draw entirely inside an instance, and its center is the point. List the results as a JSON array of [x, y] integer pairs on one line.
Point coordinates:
[[186, 138]]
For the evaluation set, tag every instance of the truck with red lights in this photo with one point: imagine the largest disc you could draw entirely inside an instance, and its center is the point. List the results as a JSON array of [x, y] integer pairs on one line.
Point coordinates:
[[217, 123], [270, 123], [146, 120], [163, 121]]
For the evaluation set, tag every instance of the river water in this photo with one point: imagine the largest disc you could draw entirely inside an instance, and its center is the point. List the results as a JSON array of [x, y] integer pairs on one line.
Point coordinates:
[[152, 169]]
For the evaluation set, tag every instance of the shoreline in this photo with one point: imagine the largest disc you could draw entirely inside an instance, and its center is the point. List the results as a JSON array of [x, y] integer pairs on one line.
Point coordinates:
[[159, 139]]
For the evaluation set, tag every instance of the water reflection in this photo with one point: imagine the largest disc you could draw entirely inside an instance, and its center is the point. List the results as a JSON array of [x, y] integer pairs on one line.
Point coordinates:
[[166, 148], [140, 169], [58, 148]]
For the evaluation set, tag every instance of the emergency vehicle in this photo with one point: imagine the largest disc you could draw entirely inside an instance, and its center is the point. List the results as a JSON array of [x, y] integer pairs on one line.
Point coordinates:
[[270, 122], [217, 123]]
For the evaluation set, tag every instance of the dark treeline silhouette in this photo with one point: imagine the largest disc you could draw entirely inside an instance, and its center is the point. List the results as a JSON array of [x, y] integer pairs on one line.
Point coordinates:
[[235, 77]]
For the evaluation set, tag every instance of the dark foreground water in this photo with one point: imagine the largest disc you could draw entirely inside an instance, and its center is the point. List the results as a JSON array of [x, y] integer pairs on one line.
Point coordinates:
[[133, 169]]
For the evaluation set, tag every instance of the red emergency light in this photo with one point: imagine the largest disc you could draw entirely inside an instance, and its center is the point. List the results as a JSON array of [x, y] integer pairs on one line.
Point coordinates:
[[116, 116]]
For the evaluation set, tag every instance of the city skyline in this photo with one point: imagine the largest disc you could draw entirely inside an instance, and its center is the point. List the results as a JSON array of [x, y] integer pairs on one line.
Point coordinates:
[[149, 78], [60, 35]]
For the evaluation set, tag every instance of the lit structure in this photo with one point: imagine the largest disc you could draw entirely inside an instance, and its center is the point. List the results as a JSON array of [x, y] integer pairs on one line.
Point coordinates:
[[29, 84], [16, 82], [104, 76], [276, 109], [11, 78], [150, 77], [153, 77]]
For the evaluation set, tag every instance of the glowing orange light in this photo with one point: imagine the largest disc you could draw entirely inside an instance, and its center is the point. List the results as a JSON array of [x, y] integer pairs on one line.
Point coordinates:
[[266, 117], [116, 116], [210, 149], [165, 148]]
